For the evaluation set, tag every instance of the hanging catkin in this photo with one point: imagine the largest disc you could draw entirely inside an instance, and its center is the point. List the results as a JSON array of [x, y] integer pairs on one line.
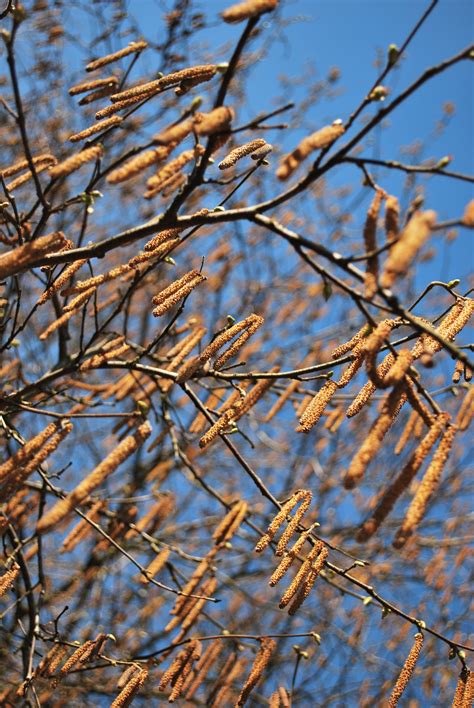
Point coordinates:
[[317, 141], [374, 439], [8, 578], [426, 489], [28, 254], [245, 10], [73, 163], [123, 450], [130, 689], [230, 523], [316, 407], [132, 48], [370, 244], [263, 658], [406, 672], [404, 478], [301, 495], [239, 152], [405, 249]]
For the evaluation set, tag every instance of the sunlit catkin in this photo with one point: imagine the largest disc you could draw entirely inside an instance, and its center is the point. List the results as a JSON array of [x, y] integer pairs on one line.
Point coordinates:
[[239, 152], [466, 410], [263, 658], [230, 523], [130, 690], [8, 578], [73, 163], [392, 213], [405, 249], [465, 677], [123, 450], [245, 10], [43, 159], [403, 479], [370, 244], [175, 292], [62, 280], [399, 369], [301, 575], [301, 495], [317, 141], [204, 665], [426, 489], [374, 439], [155, 566], [96, 128], [188, 655], [280, 699], [216, 121], [81, 530], [285, 563], [305, 588], [132, 48], [25, 453], [406, 672], [71, 309], [92, 85], [139, 163], [28, 254], [197, 74], [316, 407]]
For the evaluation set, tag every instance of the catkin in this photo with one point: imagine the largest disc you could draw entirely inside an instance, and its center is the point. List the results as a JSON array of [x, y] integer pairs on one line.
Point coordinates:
[[263, 658], [468, 216], [301, 495], [179, 662], [162, 237], [69, 310], [404, 478], [239, 152], [317, 141], [44, 158], [392, 213], [230, 523], [8, 578], [351, 344], [245, 10], [301, 575], [370, 244], [306, 587], [92, 283], [72, 661], [426, 489], [175, 133], [155, 566], [92, 85], [280, 698], [204, 665], [139, 163], [132, 48], [373, 442], [281, 400], [25, 453], [123, 450], [73, 163], [22, 179], [61, 280], [216, 121], [28, 254], [466, 410], [79, 532], [316, 407], [158, 180], [194, 73], [285, 563], [96, 128], [462, 685], [406, 672], [113, 108], [175, 292], [130, 689], [405, 249], [399, 369], [406, 432]]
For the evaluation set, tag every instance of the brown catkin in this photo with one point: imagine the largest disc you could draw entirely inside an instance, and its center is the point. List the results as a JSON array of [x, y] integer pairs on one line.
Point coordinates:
[[405, 249], [281, 400], [370, 244], [301, 575], [399, 369], [47, 449], [183, 600], [178, 663], [28, 254], [86, 285], [351, 344], [261, 152], [92, 85], [113, 108], [404, 478], [156, 182], [426, 489], [194, 73], [369, 388], [139, 163], [72, 661], [155, 566], [406, 672], [25, 453], [70, 310], [159, 252], [192, 614], [316, 407], [73, 163], [245, 10], [204, 665], [406, 432], [22, 179], [132, 48], [263, 658], [130, 689], [458, 371], [392, 213], [230, 523], [316, 141], [50, 662], [43, 159], [230, 671], [216, 121], [175, 292], [309, 582], [123, 450], [468, 216], [466, 410], [285, 563], [161, 238], [217, 428], [239, 152], [96, 128], [301, 495], [8, 578], [280, 699], [61, 280], [373, 442], [174, 133], [458, 698], [81, 530]]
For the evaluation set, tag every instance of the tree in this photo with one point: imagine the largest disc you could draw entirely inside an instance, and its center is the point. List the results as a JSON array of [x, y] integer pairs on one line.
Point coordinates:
[[234, 357]]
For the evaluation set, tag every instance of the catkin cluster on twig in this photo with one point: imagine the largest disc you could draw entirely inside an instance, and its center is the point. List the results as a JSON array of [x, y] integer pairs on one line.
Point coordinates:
[[407, 246], [180, 669], [134, 680], [175, 292], [239, 152], [263, 658]]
